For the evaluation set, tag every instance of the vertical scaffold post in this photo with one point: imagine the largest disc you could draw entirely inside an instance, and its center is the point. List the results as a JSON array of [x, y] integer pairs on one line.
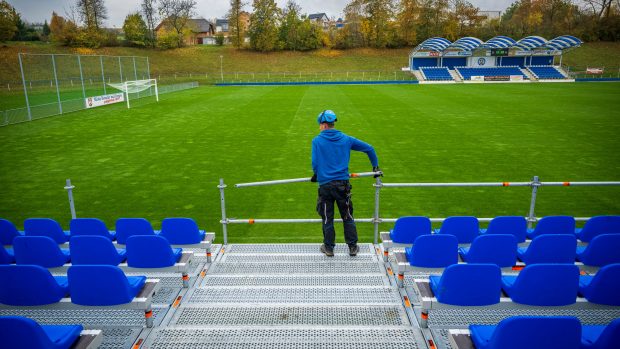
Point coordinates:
[[56, 81], [222, 186], [21, 68], [81, 76], [531, 217], [378, 185], [69, 189]]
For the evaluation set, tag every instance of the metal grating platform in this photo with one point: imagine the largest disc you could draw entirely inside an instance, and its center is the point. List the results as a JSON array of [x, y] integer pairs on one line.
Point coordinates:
[[166, 295], [90, 318], [286, 280], [313, 258], [294, 249], [119, 338], [296, 268]]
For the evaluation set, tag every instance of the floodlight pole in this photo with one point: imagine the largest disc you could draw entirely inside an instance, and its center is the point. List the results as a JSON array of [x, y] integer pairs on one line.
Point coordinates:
[[81, 76], [69, 189], [102, 75], [21, 68], [222, 67]]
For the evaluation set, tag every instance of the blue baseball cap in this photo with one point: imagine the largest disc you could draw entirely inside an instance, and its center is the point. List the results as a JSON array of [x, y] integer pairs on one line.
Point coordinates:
[[327, 116]]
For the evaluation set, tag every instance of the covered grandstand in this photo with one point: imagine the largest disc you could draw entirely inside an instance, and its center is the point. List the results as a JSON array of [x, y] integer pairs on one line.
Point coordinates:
[[469, 59]]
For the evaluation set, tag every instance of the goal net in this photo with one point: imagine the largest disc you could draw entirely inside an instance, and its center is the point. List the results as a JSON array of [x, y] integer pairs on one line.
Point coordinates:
[[136, 87]]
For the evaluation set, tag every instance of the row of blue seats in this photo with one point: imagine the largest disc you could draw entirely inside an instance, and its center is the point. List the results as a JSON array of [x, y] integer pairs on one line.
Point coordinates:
[[179, 231], [467, 228], [546, 72], [91, 285], [440, 251], [17, 332], [142, 251], [544, 332], [536, 285], [468, 72], [436, 73]]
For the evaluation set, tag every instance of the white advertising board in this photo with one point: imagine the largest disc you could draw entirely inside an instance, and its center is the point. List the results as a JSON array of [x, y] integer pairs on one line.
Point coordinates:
[[98, 101], [477, 78], [481, 62], [516, 77]]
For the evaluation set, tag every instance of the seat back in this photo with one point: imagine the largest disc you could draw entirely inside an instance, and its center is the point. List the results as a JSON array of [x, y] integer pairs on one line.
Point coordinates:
[[514, 225], [434, 251], [28, 285], [602, 250], [126, 227], [93, 250], [599, 225], [465, 228], [407, 229], [88, 226], [98, 285], [498, 249], [546, 285], [605, 286], [180, 231], [610, 337], [554, 225], [537, 332], [45, 227], [38, 250], [149, 252], [20, 332], [7, 232], [552, 248], [470, 285]]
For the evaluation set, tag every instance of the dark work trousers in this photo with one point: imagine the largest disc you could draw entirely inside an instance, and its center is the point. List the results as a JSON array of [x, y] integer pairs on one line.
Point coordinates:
[[339, 192]]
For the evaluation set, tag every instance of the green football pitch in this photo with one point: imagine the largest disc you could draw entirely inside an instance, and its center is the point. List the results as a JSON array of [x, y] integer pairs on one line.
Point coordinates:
[[164, 159]]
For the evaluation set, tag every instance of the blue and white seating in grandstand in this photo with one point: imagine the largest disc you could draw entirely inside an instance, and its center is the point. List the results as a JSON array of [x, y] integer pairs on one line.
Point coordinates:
[[98, 285], [498, 249], [405, 231], [45, 227], [467, 72], [8, 231], [181, 231], [40, 250], [515, 225], [151, 252], [549, 248], [603, 287], [468, 285], [127, 227], [436, 74], [543, 285], [465, 228], [601, 336], [31, 285], [602, 250], [546, 72], [7, 256], [553, 225], [598, 225], [18, 332], [90, 226], [433, 251], [93, 249]]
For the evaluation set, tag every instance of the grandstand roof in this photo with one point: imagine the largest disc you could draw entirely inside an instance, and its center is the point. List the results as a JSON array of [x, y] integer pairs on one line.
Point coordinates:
[[500, 42], [563, 42], [531, 42], [466, 44], [434, 44]]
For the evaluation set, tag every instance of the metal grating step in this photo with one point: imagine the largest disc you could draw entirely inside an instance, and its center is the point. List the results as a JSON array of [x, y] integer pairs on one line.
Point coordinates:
[[119, 337], [166, 295], [293, 248], [285, 338], [297, 268], [295, 295], [290, 315], [90, 318], [286, 280], [292, 258]]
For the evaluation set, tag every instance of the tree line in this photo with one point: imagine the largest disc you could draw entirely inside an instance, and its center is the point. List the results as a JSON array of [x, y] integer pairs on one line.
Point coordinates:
[[366, 23]]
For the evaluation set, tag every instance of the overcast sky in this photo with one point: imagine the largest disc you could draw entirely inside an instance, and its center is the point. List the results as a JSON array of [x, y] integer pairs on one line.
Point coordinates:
[[40, 10]]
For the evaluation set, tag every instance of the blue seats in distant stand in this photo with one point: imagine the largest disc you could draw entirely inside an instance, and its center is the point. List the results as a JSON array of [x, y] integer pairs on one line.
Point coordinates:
[[181, 231], [550, 248], [45, 227], [8, 231], [127, 227], [602, 250], [39, 250], [408, 228], [601, 337], [467, 73], [531, 332], [499, 249], [151, 252], [18, 332], [603, 287], [546, 72], [93, 249], [468, 285], [7, 256], [553, 225], [543, 285], [25, 285], [514, 225], [90, 226], [436, 73], [465, 228], [101, 285], [598, 225], [433, 251]]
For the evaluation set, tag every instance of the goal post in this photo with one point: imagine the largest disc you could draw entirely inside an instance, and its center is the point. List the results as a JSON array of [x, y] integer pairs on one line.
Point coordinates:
[[135, 87]]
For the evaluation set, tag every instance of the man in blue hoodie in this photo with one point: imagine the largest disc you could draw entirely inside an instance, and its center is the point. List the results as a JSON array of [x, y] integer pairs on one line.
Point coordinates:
[[331, 151]]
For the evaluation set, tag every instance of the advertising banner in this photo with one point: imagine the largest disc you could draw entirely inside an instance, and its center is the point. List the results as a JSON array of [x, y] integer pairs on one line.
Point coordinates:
[[481, 62], [516, 77], [477, 78], [594, 71], [97, 101], [497, 78]]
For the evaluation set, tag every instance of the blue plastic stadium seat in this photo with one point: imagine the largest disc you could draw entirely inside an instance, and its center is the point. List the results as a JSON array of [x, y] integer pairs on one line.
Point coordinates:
[[531, 332], [551, 248], [515, 225], [602, 250], [499, 249], [39, 250], [100, 285], [90, 226], [18, 332], [30, 285], [543, 285], [407, 229], [181, 231], [465, 228], [598, 225], [546, 72], [433, 251], [151, 252], [553, 225], [45, 227], [468, 285], [601, 337], [7, 256], [126, 227], [95, 250], [603, 287], [8, 231]]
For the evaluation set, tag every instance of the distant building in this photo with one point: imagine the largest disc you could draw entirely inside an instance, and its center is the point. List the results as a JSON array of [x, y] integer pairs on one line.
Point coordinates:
[[222, 25], [339, 23], [201, 31], [320, 19], [490, 15]]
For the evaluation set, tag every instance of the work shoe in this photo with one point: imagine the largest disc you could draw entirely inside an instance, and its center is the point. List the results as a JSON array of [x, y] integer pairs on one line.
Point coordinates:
[[329, 252], [354, 250]]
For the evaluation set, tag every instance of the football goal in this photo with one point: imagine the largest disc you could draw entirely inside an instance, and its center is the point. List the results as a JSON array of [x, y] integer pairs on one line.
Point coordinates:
[[136, 87]]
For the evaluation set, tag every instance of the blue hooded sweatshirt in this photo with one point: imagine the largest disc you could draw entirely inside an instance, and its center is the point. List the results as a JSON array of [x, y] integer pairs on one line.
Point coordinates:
[[331, 151]]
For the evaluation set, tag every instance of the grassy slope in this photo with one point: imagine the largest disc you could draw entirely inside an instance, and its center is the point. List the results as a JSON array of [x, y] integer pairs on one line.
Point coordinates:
[[165, 159]]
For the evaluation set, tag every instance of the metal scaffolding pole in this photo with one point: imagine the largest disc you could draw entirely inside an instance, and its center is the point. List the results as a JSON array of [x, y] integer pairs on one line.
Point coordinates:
[[531, 218], [57, 89], [21, 68], [298, 180], [81, 76], [376, 217], [69, 189], [224, 220]]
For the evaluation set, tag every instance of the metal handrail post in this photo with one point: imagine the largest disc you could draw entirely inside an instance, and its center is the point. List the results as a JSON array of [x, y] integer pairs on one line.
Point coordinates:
[[224, 220], [69, 189], [531, 217], [378, 184]]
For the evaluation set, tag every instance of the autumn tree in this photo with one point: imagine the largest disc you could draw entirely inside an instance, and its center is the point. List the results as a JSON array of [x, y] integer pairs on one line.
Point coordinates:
[[8, 21], [406, 20], [149, 11], [136, 32], [92, 13], [176, 15], [264, 23], [236, 27]]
